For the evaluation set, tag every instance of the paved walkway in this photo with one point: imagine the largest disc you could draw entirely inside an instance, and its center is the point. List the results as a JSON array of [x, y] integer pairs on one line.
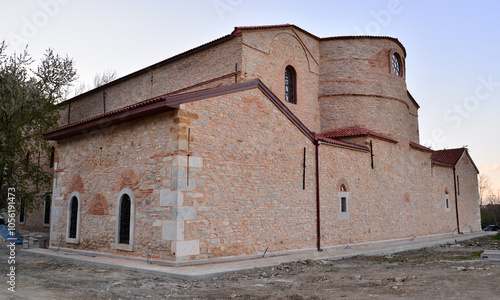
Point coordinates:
[[210, 270]]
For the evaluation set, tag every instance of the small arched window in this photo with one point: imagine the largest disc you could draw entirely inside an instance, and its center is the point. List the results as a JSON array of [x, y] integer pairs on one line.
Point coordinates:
[[396, 65], [73, 217], [447, 201], [73, 223], [343, 195], [290, 85], [124, 235]]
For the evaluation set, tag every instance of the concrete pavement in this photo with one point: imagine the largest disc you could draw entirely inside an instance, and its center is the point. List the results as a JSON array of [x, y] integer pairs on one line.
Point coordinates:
[[213, 268]]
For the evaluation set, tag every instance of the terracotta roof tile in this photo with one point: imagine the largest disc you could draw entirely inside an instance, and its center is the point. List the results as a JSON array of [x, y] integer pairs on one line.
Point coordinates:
[[111, 113], [420, 147], [354, 131], [447, 157], [341, 143]]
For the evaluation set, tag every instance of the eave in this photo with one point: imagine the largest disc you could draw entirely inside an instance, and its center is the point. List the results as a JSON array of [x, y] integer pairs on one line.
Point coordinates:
[[167, 103]]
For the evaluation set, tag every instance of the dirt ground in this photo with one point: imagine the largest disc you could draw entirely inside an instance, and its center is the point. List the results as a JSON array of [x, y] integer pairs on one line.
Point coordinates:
[[452, 271]]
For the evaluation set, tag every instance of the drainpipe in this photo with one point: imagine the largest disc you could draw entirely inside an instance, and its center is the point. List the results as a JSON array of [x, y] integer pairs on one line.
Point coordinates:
[[456, 199], [318, 220]]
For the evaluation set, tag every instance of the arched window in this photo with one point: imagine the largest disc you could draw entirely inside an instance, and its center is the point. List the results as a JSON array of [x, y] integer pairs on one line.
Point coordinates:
[[124, 235], [396, 64], [343, 201], [447, 201], [73, 217], [290, 85], [73, 224]]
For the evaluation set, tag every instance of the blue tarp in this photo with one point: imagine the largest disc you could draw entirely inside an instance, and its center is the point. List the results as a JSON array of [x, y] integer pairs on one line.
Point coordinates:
[[5, 232]]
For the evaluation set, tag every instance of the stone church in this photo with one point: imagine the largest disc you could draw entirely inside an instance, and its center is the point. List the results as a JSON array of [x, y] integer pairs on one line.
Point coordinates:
[[269, 138]]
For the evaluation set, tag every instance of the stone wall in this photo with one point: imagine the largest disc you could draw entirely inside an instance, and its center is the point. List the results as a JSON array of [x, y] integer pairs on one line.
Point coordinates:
[[223, 176], [357, 86], [266, 54], [252, 195], [207, 68], [393, 200], [98, 166], [468, 199]]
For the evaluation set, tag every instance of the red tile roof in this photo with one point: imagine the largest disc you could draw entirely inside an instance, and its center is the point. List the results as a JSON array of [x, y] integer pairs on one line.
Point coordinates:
[[166, 103], [354, 131], [448, 157], [420, 147], [341, 143]]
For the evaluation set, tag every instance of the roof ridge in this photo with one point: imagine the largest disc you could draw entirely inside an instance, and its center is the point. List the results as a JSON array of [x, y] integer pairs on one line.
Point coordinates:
[[238, 30], [354, 131]]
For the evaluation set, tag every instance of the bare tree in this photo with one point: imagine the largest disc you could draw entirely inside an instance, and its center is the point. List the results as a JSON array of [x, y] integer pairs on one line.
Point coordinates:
[[105, 77], [99, 79], [484, 185]]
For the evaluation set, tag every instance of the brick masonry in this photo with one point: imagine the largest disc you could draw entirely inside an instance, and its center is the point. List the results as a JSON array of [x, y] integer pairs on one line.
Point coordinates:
[[224, 176]]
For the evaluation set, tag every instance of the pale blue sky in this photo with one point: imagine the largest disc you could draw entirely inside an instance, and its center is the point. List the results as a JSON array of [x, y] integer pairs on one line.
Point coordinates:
[[452, 67]]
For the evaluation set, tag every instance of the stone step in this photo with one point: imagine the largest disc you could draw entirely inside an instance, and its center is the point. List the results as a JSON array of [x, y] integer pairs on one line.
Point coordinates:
[[491, 257]]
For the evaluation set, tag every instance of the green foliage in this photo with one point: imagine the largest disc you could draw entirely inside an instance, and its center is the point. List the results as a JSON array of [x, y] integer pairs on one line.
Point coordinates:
[[490, 216], [472, 255], [27, 109], [332, 270]]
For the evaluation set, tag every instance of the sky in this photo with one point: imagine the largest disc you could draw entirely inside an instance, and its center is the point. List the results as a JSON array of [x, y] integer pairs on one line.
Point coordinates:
[[452, 63]]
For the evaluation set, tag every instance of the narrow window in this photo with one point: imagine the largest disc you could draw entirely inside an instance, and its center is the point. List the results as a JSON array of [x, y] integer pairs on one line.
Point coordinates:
[[343, 204], [371, 154], [52, 156], [447, 202], [124, 230], [304, 171], [343, 195], [46, 212], [73, 218], [22, 212], [458, 185], [396, 64], [290, 85]]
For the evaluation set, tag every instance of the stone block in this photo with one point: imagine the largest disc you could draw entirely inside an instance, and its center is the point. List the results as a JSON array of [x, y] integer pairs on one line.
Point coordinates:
[[184, 213], [179, 161], [172, 230], [179, 172], [185, 248], [171, 198], [181, 184], [195, 162]]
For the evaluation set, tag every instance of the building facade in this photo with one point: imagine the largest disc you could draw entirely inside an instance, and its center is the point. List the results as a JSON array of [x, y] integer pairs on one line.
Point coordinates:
[[267, 138]]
